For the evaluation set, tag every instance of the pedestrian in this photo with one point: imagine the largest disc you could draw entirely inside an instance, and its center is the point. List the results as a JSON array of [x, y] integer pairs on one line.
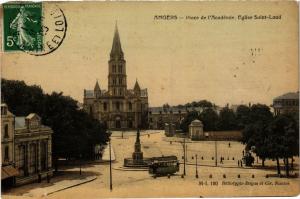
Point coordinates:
[[238, 163], [229, 144], [148, 135], [241, 163]]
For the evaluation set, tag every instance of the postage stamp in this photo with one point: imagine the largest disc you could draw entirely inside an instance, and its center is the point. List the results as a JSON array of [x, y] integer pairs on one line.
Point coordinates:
[[35, 28], [23, 27]]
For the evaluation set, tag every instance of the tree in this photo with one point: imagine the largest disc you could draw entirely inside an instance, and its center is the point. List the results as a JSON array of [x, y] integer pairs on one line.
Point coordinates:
[[260, 112], [256, 135], [209, 118], [257, 113], [285, 139], [242, 116], [227, 120], [204, 104], [277, 138], [74, 130], [191, 116], [166, 107]]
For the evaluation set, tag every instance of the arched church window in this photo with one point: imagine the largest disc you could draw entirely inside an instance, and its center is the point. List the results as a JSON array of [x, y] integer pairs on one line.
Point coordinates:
[[130, 106], [120, 68], [118, 106], [104, 106]]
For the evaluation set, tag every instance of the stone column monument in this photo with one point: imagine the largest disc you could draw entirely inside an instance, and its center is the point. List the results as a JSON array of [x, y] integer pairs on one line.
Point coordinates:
[[137, 155]]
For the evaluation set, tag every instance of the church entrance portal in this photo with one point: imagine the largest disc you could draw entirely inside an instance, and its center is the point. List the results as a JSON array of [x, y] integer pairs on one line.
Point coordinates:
[[118, 122]]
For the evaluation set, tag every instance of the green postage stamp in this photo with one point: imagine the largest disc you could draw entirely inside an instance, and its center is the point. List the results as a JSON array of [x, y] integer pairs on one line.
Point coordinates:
[[36, 28], [23, 27]]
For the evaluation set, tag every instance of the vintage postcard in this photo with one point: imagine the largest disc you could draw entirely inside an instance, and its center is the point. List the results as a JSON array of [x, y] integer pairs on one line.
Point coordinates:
[[149, 99]]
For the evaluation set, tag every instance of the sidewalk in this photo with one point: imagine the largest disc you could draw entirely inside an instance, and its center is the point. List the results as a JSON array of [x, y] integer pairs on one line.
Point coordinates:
[[105, 156], [56, 184]]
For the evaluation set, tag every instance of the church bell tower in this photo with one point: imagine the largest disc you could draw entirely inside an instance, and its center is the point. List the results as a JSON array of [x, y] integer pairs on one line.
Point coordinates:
[[117, 82]]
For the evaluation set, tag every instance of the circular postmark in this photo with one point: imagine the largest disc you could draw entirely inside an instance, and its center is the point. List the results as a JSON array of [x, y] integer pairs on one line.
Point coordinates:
[[35, 28], [53, 30]]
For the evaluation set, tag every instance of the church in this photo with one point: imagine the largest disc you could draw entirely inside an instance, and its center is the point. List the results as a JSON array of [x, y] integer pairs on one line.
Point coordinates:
[[118, 107]]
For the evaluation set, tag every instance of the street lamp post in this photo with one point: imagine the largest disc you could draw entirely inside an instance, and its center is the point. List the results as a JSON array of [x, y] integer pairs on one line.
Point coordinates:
[[80, 164], [197, 166], [184, 156], [216, 153], [110, 170]]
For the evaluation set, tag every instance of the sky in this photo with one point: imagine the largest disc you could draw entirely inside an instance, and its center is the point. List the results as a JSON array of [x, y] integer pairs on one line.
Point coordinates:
[[178, 61]]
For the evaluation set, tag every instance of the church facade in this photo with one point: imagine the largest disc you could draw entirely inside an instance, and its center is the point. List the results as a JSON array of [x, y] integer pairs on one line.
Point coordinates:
[[118, 107]]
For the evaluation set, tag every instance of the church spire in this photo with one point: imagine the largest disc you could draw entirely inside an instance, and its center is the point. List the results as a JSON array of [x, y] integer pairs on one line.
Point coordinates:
[[137, 88], [116, 50], [97, 87], [97, 90]]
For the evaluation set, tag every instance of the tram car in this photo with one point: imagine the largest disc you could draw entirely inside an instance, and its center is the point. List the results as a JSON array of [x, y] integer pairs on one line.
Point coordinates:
[[163, 166]]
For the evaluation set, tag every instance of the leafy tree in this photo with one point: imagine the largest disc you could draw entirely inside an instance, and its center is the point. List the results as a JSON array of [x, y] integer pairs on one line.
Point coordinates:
[[191, 116], [227, 120], [278, 138], [256, 135], [242, 116], [209, 118], [205, 104], [260, 112], [75, 132], [166, 107]]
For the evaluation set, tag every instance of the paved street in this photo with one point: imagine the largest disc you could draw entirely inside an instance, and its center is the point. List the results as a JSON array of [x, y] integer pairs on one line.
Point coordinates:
[[141, 184]]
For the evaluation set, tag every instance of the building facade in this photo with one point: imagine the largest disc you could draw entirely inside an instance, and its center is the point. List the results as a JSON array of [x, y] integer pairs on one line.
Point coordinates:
[[159, 116], [286, 103], [118, 107], [33, 149], [196, 130], [8, 171]]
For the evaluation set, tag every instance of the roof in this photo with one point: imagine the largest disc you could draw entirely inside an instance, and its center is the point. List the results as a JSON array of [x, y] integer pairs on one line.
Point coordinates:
[[196, 123], [8, 113], [32, 115], [89, 93], [116, 50], [137, 86], [19, 122], [290, 95], [97, 87]]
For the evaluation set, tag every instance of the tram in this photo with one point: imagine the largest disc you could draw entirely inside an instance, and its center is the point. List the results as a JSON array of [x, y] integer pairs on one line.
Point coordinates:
[[162, 166]]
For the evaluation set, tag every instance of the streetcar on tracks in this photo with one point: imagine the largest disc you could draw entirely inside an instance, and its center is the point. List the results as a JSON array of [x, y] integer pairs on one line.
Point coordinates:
[[163, 166]]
